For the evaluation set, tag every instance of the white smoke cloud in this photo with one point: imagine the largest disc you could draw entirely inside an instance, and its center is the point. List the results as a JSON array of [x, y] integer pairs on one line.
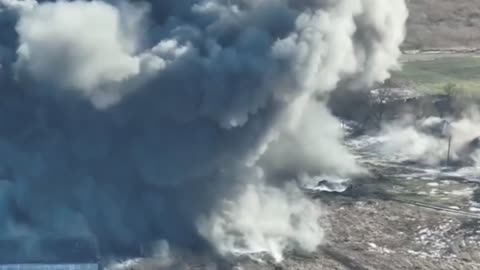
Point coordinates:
[[78, 45], [321, 52], [194, 96], [303, 149], [264, 219], [17, 5], [428, 140], [408, 143], [387, 29]]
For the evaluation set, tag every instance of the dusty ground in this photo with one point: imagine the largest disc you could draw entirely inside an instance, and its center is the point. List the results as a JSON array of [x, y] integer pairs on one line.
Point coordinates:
[[402, 216], [378, 234], [387, 235], [372, 233], [443, 24]]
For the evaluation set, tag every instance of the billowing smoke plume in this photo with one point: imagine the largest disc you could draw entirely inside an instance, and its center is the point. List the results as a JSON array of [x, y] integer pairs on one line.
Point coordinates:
[[188, 121], [434, 140]]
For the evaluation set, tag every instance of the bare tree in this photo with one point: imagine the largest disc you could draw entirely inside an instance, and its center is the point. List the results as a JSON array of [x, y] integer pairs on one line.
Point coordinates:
[[451, 89], [378, 102]]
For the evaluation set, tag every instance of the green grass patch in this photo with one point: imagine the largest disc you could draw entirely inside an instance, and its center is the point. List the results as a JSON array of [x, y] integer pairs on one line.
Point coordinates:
[[433, 75]]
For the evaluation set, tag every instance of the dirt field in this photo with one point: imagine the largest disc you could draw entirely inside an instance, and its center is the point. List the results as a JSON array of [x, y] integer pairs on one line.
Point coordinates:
[[443, 24], [372, 234]]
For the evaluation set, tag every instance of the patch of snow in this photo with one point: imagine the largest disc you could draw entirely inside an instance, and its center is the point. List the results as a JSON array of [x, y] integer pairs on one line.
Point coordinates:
[[127, 264], [463, 192]]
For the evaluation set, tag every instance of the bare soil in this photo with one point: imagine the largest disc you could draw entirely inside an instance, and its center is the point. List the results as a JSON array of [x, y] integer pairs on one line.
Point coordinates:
[[443, 24], [367, 234]]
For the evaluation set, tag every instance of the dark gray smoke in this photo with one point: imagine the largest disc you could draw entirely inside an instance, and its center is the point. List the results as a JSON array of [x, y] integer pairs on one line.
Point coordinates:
[[134, 122]]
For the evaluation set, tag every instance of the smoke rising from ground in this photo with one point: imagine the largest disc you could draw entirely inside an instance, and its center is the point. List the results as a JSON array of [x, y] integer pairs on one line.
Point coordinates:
[[267, 220], [180, 120], [427, 140]]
